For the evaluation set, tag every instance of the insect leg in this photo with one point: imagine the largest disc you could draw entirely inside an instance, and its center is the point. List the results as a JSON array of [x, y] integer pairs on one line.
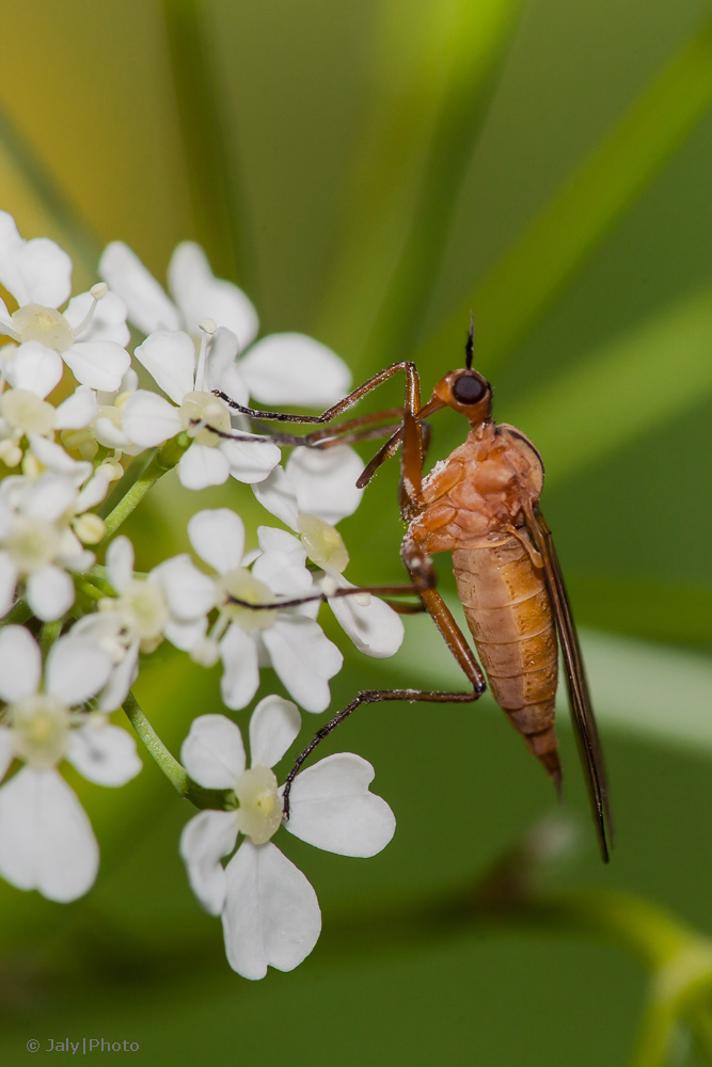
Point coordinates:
[[336, 409], [369, 696], [349, 432], [423, 575], [338, 594]]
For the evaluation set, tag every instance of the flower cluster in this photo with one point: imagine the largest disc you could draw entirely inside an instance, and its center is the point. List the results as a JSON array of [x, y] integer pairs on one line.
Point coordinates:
[[101, 394]]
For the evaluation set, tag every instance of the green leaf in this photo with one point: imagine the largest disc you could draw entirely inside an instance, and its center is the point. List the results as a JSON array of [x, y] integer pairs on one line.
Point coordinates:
[[563, 234], [20, 159], [433, 71], [218, 200], [643, 688], [622, 390]]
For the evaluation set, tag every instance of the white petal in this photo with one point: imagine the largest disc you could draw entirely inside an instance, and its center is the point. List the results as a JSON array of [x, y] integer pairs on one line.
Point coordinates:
[[273, 540], [57, 461], [94, 491], [291, 368], [46, 840], [7, 749], [374, 628], [185, 635], [77, 410], [103, 753], [20, 664], [205, 840], [107, 323], [46, 272], [274, 725], [200, 295], [331, 807], [218, 536], [169, 357], [240, 679], [8, 581], [99, 364], [271, 915], [303, 659], [119, 562], [148, 306], [221, 371], [213, 753], [188, 591], [202, 466], [10, 246], [111, 436], [76, 670], [250, 461], [120, 680], [149, 420], [278, 494], [325, 481], [285, 574], [35, 367], [50, 593]]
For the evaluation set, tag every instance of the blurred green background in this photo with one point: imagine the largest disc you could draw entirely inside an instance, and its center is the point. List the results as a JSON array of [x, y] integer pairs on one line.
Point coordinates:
[[368, 171]]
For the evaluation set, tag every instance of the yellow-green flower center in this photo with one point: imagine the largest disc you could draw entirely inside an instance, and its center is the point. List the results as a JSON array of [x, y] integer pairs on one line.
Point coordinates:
[[40, 725], [32, 543], [37, 323], [323, 543], [26, 412], [260, 811], [242, 585], [143, 606], [201, 410]]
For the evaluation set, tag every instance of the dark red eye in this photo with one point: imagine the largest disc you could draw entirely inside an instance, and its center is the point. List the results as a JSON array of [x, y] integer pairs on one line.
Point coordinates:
[[468, 389]]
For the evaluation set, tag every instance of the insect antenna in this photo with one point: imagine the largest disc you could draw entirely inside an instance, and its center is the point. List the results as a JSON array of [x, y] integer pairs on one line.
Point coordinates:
[[470, 343]]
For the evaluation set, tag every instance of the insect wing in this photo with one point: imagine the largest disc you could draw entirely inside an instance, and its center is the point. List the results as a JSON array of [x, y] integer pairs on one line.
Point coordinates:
[[582, 716]]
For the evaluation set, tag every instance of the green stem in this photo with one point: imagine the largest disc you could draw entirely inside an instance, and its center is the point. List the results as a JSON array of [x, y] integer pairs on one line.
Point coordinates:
[[19, 614], [174, 771], [140, 478], [679, 958], [48, 635]]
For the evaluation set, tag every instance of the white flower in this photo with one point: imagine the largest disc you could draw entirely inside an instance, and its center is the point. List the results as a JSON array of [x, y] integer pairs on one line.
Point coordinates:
[[269, 910], [106, 427], [150, 420], [25, 414], [39, 520], [170, 601], [284, 368], [46, 840], [294, 644], [316, 490], [89, 337]]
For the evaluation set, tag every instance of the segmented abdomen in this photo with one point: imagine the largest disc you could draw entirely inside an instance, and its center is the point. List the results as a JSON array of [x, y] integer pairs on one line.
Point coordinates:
[[509, 615]]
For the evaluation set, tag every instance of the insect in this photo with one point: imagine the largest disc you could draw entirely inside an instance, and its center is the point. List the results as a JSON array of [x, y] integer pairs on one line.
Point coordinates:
[[480, 505]]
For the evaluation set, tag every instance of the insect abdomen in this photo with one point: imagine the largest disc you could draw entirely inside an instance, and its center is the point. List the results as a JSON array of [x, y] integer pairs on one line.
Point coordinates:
[[509, 615]]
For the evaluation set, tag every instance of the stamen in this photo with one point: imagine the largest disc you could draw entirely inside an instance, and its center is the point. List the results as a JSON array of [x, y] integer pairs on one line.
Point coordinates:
[[86, 321], [207, 328]]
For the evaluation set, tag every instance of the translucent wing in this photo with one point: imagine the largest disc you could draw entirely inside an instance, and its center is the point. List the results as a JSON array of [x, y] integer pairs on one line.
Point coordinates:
[[582, 716]]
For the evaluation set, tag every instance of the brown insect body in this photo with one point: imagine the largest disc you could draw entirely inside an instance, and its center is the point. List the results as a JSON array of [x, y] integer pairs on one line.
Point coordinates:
[[482, 506], [473, 509]]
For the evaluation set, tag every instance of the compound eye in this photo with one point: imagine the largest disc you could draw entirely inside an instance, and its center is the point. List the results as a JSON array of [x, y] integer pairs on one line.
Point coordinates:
[[468, 389]]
